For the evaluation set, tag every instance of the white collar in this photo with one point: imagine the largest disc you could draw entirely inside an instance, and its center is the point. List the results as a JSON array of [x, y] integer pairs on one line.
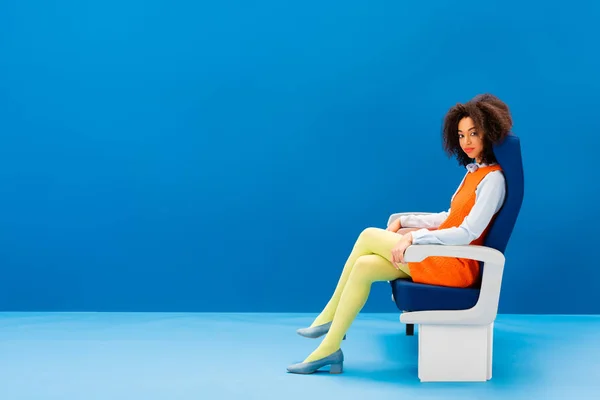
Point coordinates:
[[475, 166]]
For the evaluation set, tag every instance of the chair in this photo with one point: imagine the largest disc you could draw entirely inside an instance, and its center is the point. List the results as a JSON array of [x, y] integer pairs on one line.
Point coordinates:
[[455, 325]]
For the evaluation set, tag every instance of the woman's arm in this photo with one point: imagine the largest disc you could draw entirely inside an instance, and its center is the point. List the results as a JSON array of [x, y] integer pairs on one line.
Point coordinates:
[[404, 231], [427, 221], [414, 224], [490, 196]]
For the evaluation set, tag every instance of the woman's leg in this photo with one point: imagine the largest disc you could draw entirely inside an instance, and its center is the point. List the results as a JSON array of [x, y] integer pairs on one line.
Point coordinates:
[[367, 269], [370, 241]]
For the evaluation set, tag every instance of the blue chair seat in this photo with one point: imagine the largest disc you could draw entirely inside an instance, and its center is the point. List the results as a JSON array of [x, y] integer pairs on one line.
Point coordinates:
[[410, 296]]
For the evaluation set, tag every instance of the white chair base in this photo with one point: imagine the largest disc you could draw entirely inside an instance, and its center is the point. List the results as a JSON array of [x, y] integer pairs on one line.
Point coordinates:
[[455, 353]]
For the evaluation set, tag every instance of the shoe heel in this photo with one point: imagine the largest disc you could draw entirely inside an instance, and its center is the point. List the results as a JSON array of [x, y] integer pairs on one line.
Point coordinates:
[[336, 368]]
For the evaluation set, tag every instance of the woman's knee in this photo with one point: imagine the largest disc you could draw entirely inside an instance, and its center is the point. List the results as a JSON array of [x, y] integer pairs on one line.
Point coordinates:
[[364, 264], [374, 268], [367, 233]]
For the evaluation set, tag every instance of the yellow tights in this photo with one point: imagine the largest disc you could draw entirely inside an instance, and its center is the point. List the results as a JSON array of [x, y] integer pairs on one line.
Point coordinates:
[[369, 261]]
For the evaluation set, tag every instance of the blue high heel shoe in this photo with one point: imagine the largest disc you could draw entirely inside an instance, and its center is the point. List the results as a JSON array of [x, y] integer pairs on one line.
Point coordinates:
[[316, 331], [335, 360]]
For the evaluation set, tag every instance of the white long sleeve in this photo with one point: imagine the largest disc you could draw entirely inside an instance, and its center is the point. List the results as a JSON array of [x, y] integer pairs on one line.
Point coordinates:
[[490, 194], [430, 221]]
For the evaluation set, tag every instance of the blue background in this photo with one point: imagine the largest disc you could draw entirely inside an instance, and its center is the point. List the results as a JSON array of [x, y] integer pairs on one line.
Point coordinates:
[[193, 156]]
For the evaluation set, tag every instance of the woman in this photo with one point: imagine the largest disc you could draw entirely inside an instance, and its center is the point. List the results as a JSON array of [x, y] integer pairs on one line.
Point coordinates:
[[469, 132]]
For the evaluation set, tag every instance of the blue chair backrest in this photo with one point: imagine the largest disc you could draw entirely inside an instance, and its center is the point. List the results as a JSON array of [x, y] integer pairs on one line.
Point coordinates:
[[508, 155]]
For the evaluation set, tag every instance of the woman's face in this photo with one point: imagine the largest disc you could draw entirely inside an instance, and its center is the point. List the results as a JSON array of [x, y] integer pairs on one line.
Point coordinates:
[[470, 139]]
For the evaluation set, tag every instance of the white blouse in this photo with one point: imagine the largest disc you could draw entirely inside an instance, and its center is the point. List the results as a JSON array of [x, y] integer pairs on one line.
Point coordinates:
[[489, 197]]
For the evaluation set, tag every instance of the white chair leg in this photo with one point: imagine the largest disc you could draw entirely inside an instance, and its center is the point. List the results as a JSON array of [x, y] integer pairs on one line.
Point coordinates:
[[455, 353], [490, 350]]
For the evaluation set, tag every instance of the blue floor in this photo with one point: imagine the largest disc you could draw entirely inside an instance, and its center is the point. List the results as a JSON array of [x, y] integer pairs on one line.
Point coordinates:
[[243, 356]]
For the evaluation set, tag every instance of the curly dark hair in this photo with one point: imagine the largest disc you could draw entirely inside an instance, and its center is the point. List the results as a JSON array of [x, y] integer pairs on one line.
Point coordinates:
[[491, 117]]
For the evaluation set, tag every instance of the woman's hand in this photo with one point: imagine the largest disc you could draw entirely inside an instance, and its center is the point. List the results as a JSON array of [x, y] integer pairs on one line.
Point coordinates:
[[394, 226], [400, 248], [404, 231]]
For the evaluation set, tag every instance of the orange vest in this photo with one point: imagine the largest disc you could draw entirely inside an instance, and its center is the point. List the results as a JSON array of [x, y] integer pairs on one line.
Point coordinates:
[[449, 271]]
